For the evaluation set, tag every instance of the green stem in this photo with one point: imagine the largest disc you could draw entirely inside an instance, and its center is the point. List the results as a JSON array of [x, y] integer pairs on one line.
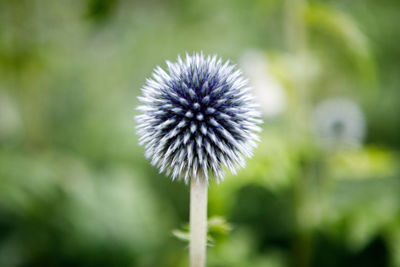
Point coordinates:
[[295, 28], [296, 41]]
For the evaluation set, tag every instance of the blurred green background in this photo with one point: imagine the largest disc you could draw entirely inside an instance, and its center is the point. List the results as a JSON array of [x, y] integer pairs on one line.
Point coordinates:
[[76, 190]]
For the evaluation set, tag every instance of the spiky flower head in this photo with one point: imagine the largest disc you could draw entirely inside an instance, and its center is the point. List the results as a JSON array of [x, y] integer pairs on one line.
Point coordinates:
[[197, 118]]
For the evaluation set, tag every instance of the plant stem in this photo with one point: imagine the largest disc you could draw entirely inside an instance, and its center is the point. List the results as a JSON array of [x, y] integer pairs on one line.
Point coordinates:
[[198, 222], [295, 28], [296, 41]]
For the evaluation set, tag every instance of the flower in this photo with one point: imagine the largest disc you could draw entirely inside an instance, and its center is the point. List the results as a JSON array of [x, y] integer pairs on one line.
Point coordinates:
[[269, 92], [339, 122], [197, 117]]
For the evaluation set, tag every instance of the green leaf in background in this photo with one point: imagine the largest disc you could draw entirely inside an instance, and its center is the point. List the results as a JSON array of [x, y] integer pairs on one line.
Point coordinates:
[[368, 162], [342, 27]]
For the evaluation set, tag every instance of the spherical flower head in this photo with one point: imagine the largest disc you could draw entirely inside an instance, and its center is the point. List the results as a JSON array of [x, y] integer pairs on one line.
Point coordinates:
[[339, 123], [197, 118]]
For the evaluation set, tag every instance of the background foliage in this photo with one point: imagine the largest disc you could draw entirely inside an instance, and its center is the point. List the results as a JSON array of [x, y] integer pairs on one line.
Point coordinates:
[[76, 190]]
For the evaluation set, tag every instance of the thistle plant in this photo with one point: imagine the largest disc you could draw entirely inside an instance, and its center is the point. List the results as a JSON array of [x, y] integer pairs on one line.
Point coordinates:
[[198, 117], [339, 123]]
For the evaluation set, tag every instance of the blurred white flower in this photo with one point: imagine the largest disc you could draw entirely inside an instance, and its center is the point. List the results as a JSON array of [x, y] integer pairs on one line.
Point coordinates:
[[268, 91], [339, 123], [10, 122]]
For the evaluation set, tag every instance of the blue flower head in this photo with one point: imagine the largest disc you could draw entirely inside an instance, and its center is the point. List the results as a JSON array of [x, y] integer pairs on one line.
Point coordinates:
[[197, 118]]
